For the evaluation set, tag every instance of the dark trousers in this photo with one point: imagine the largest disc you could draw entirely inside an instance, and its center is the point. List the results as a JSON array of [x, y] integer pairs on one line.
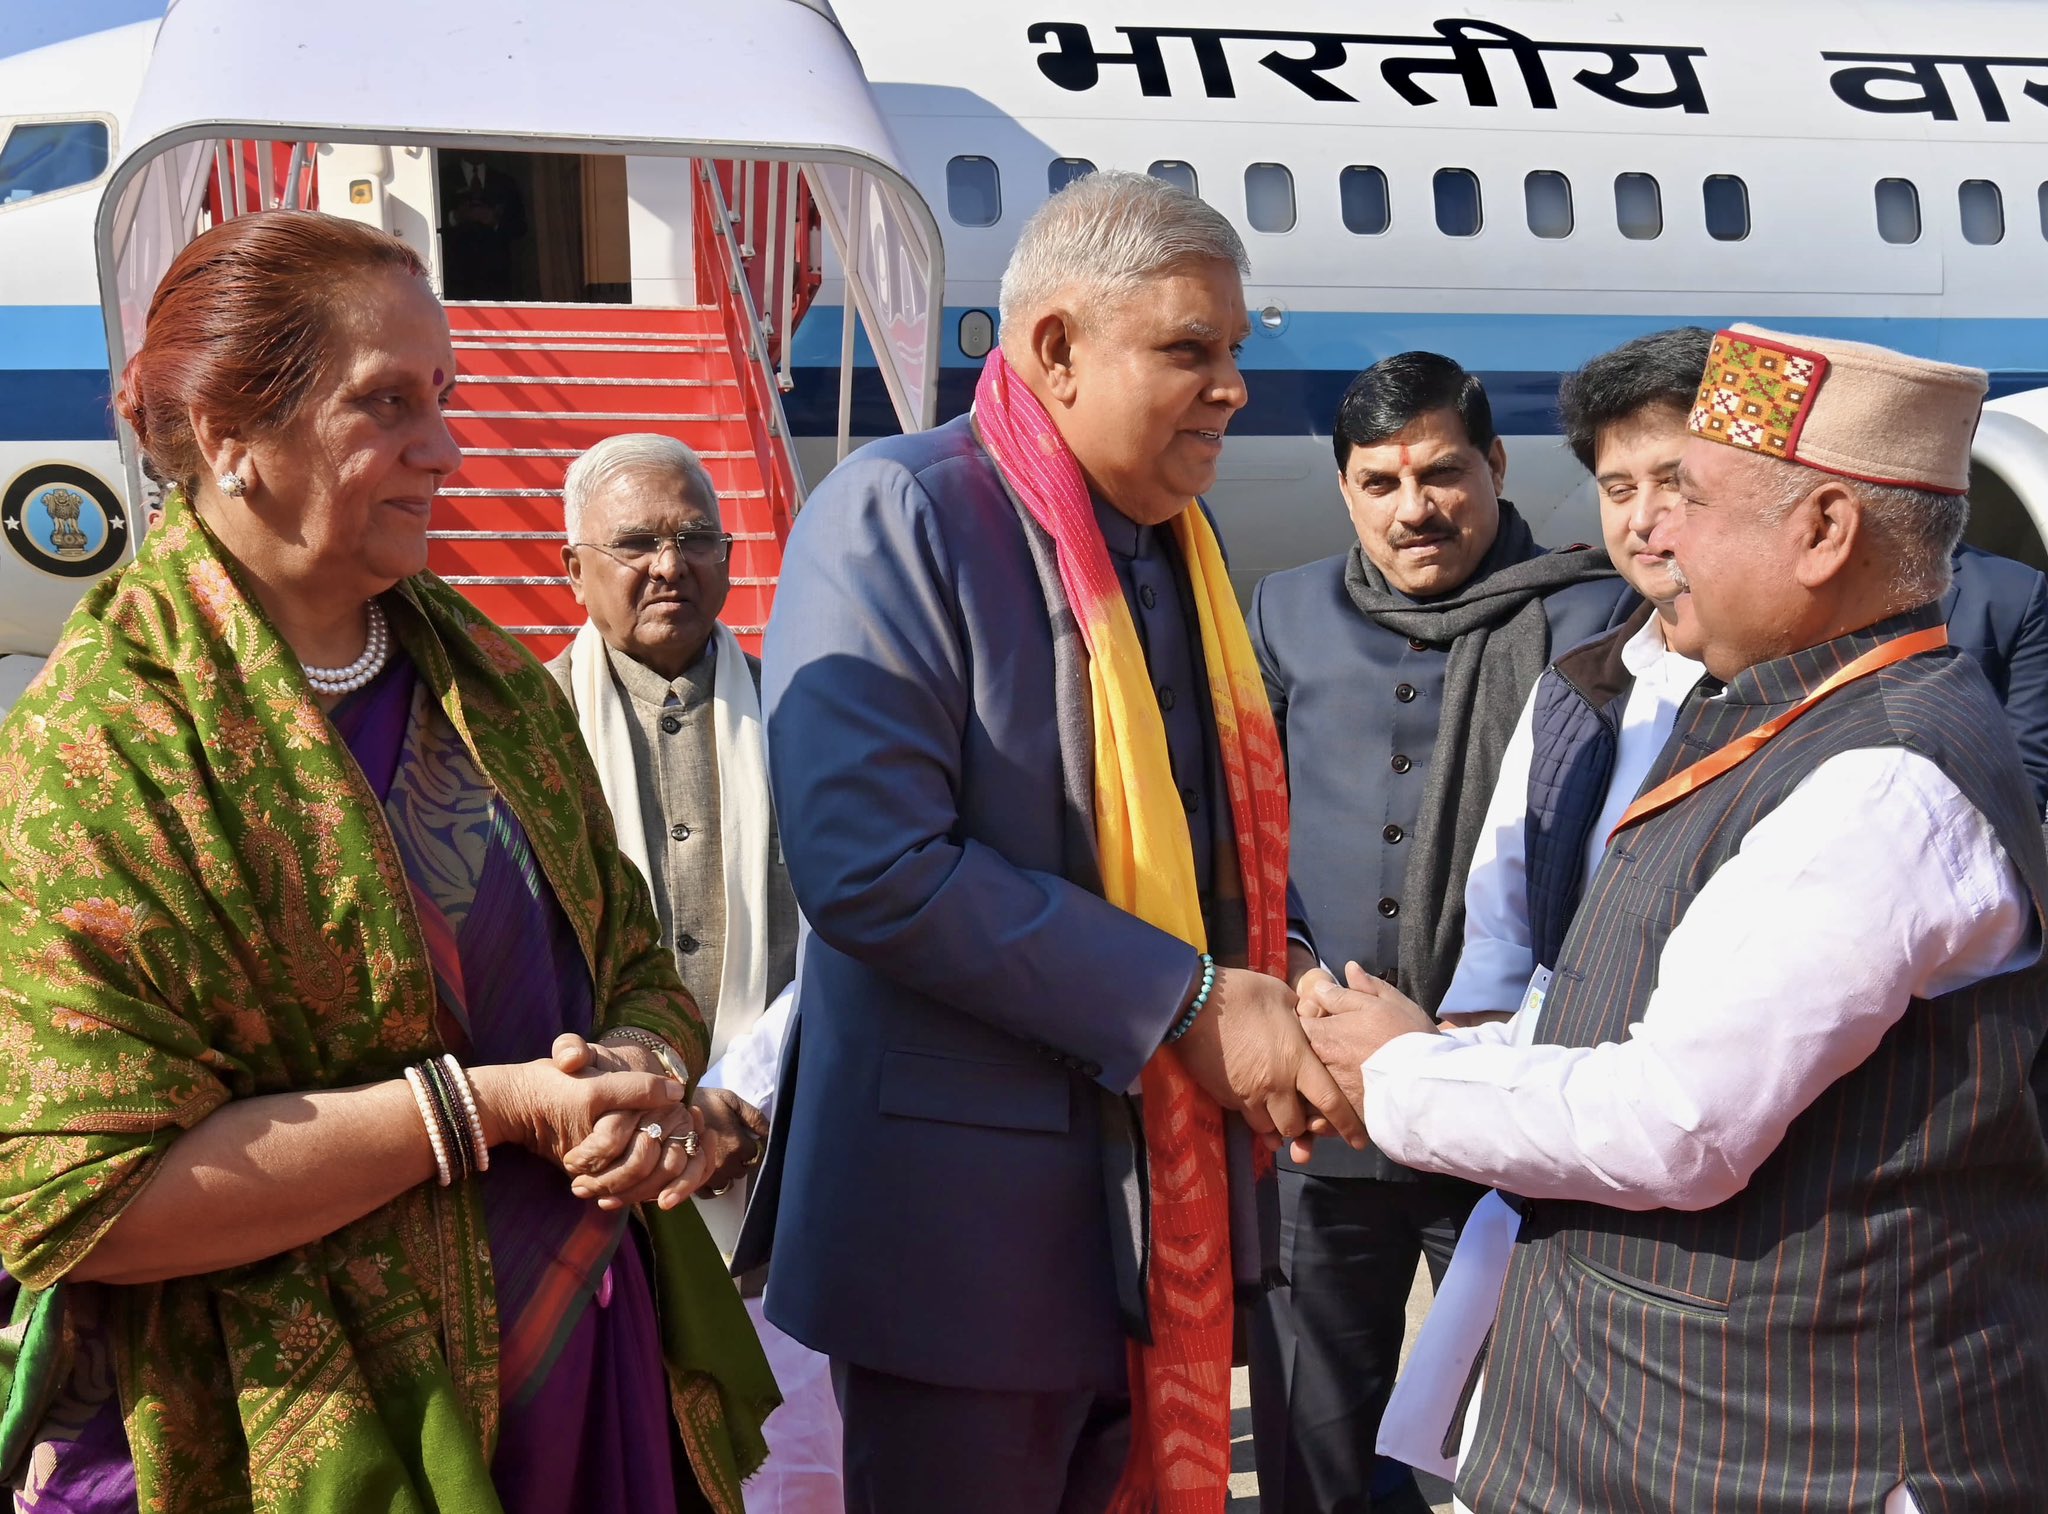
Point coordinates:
[[1324, 1350], [917, 1448]]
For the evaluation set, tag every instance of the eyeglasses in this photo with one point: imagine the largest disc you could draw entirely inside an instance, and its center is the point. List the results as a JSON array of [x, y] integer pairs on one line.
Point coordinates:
[[706, 548]]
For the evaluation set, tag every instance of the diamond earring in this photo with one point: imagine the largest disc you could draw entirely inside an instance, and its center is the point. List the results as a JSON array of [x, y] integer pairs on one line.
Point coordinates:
[[232, 486]]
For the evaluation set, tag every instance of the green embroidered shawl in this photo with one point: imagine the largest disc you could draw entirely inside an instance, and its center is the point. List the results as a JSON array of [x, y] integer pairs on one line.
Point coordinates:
[[200, 901]]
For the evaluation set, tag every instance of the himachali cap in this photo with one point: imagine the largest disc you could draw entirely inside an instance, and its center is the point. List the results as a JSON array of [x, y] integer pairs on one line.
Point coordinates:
[[1844, 407]]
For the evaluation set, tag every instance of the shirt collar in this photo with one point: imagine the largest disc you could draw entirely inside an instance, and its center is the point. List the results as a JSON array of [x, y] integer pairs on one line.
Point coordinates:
[[649, 687], [1649, 659], [1123, 536]]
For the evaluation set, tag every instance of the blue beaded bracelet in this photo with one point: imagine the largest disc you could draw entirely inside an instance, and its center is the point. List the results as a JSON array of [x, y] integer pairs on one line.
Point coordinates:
[[1186, 1022]]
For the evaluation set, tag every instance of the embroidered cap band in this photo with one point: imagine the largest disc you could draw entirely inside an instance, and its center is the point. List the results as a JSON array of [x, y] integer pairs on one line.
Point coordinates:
[[1844, 407]]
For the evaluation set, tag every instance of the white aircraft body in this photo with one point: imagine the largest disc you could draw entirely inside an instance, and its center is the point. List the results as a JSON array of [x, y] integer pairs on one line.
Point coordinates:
[[1519, 184]]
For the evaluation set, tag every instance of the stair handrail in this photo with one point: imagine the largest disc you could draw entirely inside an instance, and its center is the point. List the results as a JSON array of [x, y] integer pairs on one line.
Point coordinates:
[[745, 332]]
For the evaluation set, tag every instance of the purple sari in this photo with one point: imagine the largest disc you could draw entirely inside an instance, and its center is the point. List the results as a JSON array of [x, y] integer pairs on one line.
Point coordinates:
[[586, 1427]]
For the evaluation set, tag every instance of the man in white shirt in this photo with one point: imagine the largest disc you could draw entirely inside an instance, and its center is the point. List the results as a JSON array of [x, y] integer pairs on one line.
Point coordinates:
[[1600, 715], [1784, 1166], [1592, 726]]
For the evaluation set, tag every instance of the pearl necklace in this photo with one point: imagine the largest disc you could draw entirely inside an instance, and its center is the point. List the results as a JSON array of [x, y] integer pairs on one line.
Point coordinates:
[[376, 653]]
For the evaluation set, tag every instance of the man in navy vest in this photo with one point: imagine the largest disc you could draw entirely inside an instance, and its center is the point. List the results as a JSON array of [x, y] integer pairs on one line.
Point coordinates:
[[1396, 672], [1782, 1164]]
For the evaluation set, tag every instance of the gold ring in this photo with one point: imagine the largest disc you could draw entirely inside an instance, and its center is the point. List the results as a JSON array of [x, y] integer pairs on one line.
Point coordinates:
[[718, 1192], [760, 1150], [687, 1140]]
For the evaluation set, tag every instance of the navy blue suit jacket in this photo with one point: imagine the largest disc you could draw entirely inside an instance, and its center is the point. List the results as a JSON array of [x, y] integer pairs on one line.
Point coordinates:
[[936, 1185], [1998, 613]]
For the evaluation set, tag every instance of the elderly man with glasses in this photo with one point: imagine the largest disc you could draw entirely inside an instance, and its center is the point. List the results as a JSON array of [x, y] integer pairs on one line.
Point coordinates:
[[670, 707]]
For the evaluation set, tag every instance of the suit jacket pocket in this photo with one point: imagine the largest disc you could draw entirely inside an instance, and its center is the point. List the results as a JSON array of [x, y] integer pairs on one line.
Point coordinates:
[[1643, 1291], [962, 1091]]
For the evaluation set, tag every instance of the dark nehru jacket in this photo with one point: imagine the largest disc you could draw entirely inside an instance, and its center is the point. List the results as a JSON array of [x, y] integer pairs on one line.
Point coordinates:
[[1358, 707], [1871, 1307]]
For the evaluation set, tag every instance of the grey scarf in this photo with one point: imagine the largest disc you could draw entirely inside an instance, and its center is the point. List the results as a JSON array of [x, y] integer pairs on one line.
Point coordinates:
[[1499, 638]]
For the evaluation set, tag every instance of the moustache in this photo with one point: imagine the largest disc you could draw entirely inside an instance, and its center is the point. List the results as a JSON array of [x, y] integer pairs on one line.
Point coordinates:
[[1403, 536], [1678, 575]]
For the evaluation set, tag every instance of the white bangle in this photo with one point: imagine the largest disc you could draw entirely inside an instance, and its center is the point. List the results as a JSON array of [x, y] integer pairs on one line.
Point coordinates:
[[458, 1078], [425, 1100]]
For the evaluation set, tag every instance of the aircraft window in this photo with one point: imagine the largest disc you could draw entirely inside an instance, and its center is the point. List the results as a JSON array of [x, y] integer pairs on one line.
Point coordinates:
[[1180, 175], [1898, 211], [1063, 171], [974, 191], [2043, 197], [1269, 197], [1983, 210], [1363, 192], [1727, 203], [1548, 196], [42, 157], [1457, 202], [1638, 207]]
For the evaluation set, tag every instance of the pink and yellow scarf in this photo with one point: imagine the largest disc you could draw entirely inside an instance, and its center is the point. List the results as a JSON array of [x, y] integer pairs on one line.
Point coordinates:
[[1180, 1384]]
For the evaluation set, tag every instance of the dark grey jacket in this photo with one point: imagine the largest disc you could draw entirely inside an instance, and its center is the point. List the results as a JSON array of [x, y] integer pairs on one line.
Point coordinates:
[[1357, 707]]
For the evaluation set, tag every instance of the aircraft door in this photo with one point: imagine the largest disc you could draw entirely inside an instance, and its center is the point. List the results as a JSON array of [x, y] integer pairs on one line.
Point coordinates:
[[391, 188]]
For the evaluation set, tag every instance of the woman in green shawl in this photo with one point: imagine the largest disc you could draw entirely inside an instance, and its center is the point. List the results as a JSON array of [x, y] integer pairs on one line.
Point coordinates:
[[343, 1134]]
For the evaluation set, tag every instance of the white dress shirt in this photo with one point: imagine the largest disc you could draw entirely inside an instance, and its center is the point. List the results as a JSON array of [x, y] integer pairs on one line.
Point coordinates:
[[1498, 959], [1873, 882]]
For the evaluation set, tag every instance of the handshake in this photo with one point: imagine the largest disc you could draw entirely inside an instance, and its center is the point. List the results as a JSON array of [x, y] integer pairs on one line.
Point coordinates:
[[1290, 1060]]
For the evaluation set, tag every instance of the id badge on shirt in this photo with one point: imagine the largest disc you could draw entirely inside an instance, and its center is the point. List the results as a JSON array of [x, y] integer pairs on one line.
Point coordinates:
[[1531, 1008]]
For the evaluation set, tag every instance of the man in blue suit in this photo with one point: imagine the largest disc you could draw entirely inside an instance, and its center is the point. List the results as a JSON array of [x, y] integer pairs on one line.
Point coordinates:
[[959, 1205]]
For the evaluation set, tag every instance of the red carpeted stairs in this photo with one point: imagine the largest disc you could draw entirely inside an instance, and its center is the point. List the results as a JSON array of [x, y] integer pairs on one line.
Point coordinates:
[[539, 383]]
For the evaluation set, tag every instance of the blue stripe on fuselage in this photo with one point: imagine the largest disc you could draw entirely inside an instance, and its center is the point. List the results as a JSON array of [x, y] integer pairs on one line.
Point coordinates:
[[55, 405], [53, 374], [1280, 402], [1297, 375]]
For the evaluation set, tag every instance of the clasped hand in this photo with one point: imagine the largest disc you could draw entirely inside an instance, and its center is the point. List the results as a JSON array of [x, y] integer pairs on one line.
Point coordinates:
[[1292, 1060], [1346, 1026], [593, 1109], [1249, 1051]]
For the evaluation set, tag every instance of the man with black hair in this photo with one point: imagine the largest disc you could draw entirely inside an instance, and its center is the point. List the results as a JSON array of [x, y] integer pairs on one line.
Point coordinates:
[[1396, 673], [1600, 715]]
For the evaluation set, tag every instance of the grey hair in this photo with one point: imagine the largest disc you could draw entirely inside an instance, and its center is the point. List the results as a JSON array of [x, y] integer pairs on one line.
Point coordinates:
[[1106, 233], [633, 452], [1915, 529]]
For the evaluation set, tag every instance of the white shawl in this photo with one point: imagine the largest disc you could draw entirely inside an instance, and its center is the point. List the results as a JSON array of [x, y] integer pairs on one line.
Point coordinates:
[[745, 821], [745, 813]]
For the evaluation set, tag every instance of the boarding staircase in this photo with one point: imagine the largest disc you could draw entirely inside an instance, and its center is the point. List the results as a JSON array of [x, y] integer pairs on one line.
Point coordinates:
[[540, 383]]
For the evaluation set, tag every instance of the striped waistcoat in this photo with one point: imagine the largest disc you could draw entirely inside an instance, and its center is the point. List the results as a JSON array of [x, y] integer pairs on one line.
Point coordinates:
[[1873, 1306]]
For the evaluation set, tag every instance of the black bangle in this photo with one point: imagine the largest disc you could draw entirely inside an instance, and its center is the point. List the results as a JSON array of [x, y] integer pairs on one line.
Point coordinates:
[[454, 1126]]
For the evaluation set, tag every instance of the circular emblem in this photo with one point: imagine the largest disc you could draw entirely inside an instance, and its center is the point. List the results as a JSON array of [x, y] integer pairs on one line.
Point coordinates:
[[64, 520]]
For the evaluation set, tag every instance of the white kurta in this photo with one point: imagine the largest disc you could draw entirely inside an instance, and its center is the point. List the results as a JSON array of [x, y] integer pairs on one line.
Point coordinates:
[[1875, 881]]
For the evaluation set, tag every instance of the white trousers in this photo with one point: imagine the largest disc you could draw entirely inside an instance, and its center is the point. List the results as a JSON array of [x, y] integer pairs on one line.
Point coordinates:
[[802, 1474]]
